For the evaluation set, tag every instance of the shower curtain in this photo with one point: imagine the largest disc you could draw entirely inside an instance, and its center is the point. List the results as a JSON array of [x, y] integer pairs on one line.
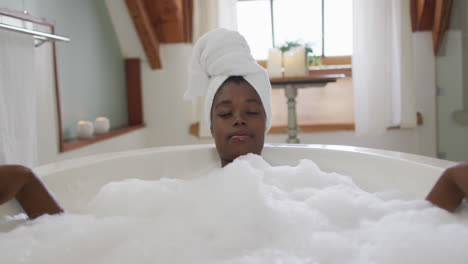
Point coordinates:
[[17, 99], [383, 71]]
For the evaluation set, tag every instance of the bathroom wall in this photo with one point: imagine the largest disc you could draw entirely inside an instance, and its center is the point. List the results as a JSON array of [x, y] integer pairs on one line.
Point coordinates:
[[452, 80], [459, 21], [166, 114], [452, 136]]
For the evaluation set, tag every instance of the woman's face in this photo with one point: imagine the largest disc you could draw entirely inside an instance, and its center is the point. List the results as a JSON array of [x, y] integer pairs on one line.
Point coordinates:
[[237, 121]]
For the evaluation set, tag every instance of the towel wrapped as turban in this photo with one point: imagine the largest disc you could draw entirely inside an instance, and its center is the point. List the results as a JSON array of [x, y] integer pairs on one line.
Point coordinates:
[[217, 55]]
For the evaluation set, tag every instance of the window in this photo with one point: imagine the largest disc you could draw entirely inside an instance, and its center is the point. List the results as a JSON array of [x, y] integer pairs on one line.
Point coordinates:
[[325, 24]]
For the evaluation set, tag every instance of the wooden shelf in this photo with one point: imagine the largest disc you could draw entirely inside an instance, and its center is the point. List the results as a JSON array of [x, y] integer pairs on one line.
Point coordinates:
[[194, 128], [311, 128], [77, 143], [348, 71], [307, 79]]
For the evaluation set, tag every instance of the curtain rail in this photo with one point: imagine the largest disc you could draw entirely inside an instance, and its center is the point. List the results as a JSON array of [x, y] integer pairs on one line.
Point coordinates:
[[38, 34]]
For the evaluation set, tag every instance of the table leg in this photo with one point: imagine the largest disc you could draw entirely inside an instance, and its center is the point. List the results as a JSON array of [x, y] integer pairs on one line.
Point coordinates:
[[291, 94]]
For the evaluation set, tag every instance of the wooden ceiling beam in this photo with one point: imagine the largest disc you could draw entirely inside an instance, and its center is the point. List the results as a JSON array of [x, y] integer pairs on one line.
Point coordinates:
[[188, 15], [145, 30], [167, 18], [422, 14], [441, 22], [414, 15], [425, 14], [431, 15]]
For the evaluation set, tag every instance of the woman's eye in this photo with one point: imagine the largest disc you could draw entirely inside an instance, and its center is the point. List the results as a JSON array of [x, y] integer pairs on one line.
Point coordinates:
[[252, 112], [224, 115]]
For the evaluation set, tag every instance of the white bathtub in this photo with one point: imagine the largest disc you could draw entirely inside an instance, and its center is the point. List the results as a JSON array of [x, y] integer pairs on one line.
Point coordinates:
[[74, 182]]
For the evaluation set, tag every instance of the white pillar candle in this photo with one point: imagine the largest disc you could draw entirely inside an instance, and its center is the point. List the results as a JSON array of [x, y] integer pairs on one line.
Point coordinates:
[[101, 125], [274, 63], [85, 129], [295, 62]]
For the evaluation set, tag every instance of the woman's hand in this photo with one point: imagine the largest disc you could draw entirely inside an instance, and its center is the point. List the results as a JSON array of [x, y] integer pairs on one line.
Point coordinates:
[[20, 182], [12, 179], [451, 188]]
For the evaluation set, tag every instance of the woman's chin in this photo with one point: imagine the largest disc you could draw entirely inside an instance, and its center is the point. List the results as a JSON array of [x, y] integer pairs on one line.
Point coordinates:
[[235, 151], [242, 152]]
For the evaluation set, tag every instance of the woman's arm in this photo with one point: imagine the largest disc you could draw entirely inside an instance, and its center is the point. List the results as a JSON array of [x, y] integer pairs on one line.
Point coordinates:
[[451, 188], [20, 182]]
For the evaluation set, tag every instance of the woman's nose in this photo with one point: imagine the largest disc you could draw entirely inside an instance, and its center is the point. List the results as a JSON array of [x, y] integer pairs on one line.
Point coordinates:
[[238, 120]]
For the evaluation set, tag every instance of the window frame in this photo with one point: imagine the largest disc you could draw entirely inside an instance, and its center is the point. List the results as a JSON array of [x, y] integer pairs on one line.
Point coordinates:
[[329, 65], [325, 60]]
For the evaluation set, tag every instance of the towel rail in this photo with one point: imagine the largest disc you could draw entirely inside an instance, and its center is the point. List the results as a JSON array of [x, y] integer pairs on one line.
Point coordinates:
[[38, 34]]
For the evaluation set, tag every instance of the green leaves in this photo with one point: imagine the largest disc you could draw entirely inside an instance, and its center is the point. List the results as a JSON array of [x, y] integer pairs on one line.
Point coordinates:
[[309, 52]]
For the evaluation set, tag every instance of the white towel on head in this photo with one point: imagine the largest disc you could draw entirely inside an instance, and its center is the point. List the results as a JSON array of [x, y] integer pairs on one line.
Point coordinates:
[[219, 54]]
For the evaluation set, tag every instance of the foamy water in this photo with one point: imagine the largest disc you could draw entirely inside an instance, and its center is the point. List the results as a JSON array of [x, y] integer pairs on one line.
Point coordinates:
[[248, 212]]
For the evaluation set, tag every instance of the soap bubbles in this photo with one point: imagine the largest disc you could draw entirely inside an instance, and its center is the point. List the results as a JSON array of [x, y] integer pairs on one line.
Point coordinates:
[[247, 212]]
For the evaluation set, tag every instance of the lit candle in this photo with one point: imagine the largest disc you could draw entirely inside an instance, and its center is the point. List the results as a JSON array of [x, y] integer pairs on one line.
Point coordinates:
[[275, 58], [102, 125], [85, 129], [295, 62]]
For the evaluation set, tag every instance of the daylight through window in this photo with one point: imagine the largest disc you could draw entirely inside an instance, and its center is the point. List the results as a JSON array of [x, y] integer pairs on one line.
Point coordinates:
[[325, 24]]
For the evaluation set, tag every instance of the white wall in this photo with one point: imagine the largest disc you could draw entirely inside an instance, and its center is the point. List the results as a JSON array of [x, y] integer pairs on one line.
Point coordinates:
[[166, 114], [453, 143], [459, 21], [452, 80], [465, 56]]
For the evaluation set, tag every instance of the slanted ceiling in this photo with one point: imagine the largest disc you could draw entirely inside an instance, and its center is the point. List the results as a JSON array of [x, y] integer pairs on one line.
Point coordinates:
[[161, 21], [170, 21], [431, 15]]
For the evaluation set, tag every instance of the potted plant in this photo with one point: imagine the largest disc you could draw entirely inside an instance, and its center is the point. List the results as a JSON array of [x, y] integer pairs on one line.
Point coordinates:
[[311, 59]]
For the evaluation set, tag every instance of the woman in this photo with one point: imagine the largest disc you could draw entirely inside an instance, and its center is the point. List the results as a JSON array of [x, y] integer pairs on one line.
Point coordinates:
[[238, 108]]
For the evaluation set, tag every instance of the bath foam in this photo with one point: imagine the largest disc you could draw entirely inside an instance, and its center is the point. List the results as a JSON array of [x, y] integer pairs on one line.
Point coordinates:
[[247, 212]]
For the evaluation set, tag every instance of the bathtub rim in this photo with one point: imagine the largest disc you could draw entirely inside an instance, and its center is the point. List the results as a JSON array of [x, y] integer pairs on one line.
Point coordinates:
[[49, 172], [71, 163]]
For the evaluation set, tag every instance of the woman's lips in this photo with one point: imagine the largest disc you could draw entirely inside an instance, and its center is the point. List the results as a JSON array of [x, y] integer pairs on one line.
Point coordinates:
[[240, 138]]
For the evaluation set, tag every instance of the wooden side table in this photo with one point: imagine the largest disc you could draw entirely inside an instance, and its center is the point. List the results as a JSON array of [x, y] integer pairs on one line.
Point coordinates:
[[290, 86]]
